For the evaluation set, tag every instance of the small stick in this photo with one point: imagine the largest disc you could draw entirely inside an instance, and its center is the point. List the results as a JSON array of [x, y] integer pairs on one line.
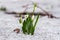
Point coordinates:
[[30, 13], [10, 12]]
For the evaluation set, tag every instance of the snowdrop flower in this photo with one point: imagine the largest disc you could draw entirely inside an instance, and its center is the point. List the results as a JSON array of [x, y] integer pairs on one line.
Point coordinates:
[[33, 17], [26, 16], [20, 20]]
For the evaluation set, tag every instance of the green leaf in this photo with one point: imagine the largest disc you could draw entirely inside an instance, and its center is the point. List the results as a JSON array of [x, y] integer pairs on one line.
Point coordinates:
[[36, 20], [27, 25], [3, 9], [24, 27]]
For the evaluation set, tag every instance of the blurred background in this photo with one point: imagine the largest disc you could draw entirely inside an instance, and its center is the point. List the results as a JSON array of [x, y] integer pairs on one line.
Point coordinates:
[[15, 5]]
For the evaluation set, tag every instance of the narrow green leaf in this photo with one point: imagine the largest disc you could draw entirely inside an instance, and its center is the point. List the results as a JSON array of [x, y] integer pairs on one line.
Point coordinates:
[[36, 20]]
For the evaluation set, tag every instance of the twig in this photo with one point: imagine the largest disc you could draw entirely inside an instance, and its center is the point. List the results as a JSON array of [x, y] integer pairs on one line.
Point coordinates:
[[30, 13]]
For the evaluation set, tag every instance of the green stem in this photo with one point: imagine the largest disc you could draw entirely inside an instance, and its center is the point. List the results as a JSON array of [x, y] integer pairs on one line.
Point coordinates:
[[34, 7], [37, 15]]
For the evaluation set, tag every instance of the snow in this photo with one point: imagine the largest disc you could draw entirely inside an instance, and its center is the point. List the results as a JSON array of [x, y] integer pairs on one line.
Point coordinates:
[[46, 29]]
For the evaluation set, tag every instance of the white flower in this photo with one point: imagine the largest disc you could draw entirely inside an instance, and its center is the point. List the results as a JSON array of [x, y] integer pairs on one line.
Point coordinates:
[[33, 17], [26, 16]]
